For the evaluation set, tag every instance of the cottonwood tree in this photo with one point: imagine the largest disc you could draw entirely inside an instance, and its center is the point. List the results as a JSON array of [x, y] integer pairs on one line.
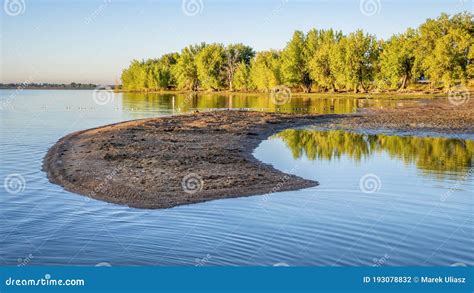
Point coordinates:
[[185, 71], [359, 54], [265, 70], [235, 55], [241, 80], [322, 65], [159, 74], [294, 65], [397, 60], [209, 62], [134, 77], [443, 51]]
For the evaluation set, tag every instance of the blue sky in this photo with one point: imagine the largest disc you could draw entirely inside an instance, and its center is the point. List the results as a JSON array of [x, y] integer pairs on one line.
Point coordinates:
[[92, 41]]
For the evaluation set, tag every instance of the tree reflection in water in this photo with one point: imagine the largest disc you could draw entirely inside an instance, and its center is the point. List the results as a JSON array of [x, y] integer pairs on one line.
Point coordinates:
[[429, 154]]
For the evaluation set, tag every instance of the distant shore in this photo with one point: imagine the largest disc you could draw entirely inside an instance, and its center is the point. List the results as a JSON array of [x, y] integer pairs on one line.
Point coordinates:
[[170, 161], [48, 86]]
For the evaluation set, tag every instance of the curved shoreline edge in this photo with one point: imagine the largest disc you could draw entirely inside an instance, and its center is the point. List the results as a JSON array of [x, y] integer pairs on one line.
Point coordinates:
[[164, 162]]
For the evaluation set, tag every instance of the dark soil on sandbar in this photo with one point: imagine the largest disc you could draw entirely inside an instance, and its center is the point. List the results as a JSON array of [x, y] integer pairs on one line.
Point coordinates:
[[164, 162]]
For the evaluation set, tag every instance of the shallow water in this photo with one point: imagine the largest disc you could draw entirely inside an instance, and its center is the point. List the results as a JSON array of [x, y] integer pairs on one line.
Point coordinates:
[[420, 214]]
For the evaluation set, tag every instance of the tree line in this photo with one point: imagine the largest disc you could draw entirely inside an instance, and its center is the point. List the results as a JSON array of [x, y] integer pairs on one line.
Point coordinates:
[[439, 52]]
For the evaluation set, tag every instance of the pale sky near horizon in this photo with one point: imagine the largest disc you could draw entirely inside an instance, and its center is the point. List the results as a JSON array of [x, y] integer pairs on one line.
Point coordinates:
[[93, 40]]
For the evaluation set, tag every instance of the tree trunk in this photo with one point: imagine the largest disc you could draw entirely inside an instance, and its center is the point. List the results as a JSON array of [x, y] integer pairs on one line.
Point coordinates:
[[404, 82], [306, 87]]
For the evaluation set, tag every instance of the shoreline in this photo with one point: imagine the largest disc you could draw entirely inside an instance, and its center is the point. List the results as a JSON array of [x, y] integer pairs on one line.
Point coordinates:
[[409, 95], [147, 163], [389, 95]]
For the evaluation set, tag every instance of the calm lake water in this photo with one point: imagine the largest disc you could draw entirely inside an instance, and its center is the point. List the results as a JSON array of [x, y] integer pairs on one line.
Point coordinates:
[[382, 200]]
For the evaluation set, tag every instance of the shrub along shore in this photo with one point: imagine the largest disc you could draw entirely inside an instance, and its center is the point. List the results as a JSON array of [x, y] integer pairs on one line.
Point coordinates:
[[439, 54]]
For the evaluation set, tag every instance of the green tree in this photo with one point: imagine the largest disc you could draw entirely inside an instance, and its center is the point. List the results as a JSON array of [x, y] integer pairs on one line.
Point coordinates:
[[321, 60], [185, 71], [294, 67], [359, 54], [470, 66], [235, 56], [443, 52], [265, 70], [134, 77], [209, 63], [151, 74], [397, 60], [165, 77], [241, 80]]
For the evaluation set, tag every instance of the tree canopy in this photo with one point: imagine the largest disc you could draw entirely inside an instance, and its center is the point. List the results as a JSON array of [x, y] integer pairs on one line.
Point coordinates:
[[440, 51]]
